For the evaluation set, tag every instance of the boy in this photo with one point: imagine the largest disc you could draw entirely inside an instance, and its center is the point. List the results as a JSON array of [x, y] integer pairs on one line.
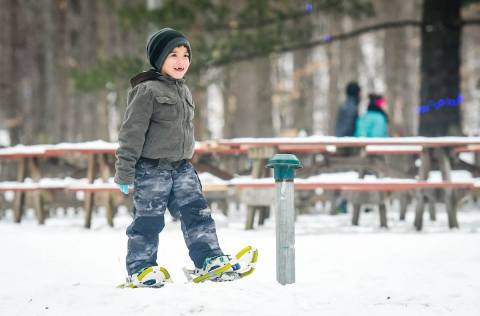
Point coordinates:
[[156, 142]]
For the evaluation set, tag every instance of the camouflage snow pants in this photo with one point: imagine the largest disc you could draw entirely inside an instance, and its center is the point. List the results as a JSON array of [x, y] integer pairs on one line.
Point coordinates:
[[177, 188]]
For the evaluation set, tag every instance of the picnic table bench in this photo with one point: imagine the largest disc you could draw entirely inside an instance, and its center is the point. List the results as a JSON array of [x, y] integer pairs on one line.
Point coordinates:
[[99, 156]]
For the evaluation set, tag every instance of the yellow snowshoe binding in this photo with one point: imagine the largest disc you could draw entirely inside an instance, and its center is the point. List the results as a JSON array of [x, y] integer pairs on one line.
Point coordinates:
[[225, 268], [154, 277]]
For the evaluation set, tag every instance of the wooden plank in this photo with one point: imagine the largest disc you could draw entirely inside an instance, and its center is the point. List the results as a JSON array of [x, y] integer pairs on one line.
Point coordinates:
[[366, 185], [306, 148], [221, 150], [430, 142], [113, 188], [468, 148], [240, 145], [86, 151]]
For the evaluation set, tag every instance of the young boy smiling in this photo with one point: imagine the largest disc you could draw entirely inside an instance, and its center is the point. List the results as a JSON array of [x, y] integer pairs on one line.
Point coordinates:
[[156, 142]]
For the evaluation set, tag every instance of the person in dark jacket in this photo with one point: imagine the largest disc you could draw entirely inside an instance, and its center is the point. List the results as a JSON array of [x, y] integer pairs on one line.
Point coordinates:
[[348, 113], [345, 127], [156, 142]]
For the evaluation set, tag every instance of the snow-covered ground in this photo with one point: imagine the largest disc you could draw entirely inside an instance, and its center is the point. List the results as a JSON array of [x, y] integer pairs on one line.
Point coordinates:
[[63, 269]]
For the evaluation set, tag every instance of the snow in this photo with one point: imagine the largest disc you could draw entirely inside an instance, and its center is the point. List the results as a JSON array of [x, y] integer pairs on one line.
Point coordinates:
[[456, 175], [46, 183], [44, 148], [206, 177], [22, 149], [316, 139], [62, 269], [393, 148], [96, 144]]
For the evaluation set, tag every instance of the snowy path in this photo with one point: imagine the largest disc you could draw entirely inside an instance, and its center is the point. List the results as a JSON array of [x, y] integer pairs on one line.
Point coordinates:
[[61, 269]]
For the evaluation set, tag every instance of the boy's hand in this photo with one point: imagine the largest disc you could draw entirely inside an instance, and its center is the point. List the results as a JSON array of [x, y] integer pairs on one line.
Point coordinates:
[[124, 188]]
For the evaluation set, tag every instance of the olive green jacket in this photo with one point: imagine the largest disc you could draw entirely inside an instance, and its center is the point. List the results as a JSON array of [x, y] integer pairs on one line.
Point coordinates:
[[158, 123]]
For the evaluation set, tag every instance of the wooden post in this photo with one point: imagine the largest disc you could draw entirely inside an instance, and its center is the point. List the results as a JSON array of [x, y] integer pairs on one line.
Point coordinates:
[[258, 155], [425, 158], [33, 166], [431, 206], [105, 174], [263, 214], [336, 194], [403, 205], [356, 213], [19, 201], [382, 209], [89, 196], [445, 168]]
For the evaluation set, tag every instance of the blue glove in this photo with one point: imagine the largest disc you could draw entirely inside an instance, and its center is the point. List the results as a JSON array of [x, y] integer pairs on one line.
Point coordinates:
[[124, 188]]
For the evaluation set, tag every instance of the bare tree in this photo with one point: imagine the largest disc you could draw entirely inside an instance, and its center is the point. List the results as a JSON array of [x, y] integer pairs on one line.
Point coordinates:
[[440, 68]]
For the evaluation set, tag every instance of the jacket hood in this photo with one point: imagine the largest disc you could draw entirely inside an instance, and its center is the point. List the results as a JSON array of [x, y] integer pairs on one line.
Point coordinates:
[[152, 74]]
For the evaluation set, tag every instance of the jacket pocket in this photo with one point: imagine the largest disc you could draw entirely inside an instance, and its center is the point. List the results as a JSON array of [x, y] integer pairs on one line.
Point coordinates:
[[165, 109]]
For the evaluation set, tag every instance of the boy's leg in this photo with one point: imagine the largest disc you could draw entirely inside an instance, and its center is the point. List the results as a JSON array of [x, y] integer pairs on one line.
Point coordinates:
[[197, 223], [152, 188]]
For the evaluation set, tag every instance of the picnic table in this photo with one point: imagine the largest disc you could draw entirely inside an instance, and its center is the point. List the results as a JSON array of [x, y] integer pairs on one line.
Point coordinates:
[[27, 157], [428, 149], [99, 157]]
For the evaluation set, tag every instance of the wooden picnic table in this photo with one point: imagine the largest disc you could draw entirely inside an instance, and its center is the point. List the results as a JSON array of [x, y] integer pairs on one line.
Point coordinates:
[[28, 165], [258, 150], [96, 153], [427, 148]]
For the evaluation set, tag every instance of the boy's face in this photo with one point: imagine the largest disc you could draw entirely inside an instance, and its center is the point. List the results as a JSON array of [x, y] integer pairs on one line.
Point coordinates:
[[177, 62]]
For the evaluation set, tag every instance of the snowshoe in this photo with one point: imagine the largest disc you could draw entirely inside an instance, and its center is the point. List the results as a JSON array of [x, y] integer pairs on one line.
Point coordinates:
[[154, 277], [225, 268]]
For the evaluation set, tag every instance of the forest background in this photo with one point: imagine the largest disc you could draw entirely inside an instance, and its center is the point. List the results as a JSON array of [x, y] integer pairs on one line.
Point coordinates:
[[260, 68]]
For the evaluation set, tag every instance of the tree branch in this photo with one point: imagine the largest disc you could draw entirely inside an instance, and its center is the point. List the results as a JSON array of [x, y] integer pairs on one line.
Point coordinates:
[[327, 39]]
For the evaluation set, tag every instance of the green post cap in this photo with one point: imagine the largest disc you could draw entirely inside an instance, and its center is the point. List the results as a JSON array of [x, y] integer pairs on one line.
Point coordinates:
[[284, 166]]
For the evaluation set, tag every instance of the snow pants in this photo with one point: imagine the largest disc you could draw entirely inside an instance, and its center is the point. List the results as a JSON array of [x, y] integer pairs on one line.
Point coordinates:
[[178, 188]]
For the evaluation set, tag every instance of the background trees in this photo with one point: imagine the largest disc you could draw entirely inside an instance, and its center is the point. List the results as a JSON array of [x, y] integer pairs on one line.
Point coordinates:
[[279, 66]]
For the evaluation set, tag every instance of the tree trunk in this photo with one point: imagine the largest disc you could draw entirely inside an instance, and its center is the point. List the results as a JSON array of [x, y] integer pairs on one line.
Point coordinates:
[[303, 91], [440, 66], [398, 55], [470, 78], [200, 121], [8, 74], [334, 96], [247, 95]]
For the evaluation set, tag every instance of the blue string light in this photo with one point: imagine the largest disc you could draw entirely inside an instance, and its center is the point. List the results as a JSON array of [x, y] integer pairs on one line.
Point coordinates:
[[327, 38], [438, 104], [308, 7]]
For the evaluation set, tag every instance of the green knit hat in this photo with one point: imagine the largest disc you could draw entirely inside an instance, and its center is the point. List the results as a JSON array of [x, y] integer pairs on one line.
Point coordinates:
[[161, 43]]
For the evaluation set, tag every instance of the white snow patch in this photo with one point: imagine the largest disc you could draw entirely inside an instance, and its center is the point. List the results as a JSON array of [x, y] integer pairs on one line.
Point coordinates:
[[62, 269]]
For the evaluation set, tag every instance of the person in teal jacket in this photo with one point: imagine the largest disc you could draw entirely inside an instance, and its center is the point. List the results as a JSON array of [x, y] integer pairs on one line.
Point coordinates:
[[373, 123]]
